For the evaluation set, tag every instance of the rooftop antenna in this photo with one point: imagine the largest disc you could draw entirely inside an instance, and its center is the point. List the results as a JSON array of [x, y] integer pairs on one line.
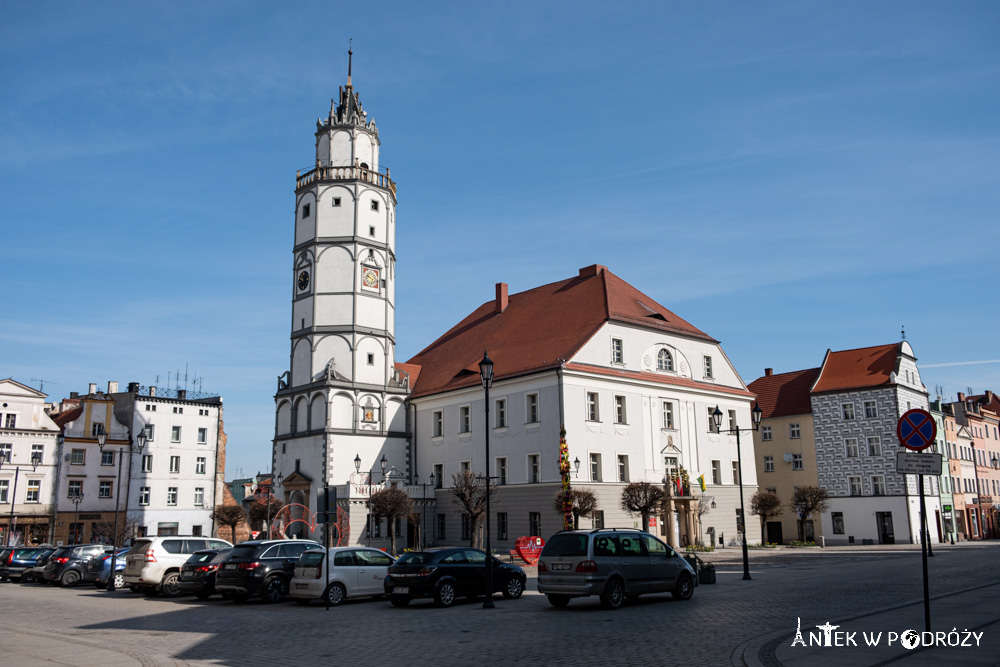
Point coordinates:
[[350, 55], [41, 386], [903, 332]]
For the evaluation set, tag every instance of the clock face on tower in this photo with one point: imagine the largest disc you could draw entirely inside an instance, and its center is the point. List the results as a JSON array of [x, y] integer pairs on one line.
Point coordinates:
[[369, 278], [303, 280]]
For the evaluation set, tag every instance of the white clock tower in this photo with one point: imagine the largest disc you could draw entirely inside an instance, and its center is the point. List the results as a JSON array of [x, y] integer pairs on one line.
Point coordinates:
[[343, 397]]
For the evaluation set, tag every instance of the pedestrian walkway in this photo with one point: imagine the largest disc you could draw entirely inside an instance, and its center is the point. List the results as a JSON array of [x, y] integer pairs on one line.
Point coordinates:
[[22, 647]]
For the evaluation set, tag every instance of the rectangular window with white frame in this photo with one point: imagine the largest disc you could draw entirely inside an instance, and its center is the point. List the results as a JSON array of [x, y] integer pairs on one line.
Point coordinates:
[[464, 419], [465, 466], [144, 495], [147, 463], [5, 452], [175, 434], [595, 468], [623, 468], [847, 411], [105, 488], [202, 436], [96, 428], [534, 469], [200, 465], [438, 421], [172, 495], [796, 462], [874, 446], [878, 485], [708, 367], [531, 404], [4, 490], [855, 485], [593, 414], [150, 430], [501, 471], [736, 472], [851, 447], [768, 464], [620, 416], [716, 472], [794, 431], [668, 414], [871, 411], [78, 457], [765, 433], [617, 351], [732, 420], [712, 428], [438, 475], [37, 453], [501, 413], [199, 496], [108, 457], [175, 464], [34, 491], [75, 488]]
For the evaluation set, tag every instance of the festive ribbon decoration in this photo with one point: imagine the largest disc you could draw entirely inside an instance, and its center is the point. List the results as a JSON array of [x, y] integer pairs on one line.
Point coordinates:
[[567, 503]]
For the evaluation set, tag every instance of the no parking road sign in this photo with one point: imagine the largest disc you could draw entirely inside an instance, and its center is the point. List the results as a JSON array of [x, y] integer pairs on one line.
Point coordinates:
[[916, 430]]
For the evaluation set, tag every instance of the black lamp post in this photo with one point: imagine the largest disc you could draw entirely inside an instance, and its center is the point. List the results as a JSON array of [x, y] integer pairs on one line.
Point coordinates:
[[76, 499], [486, 374], [357, 468], [756, 415], [423, 497], [35, 460]]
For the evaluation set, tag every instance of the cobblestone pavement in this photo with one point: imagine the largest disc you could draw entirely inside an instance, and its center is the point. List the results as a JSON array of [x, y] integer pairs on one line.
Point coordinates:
[[732, 622]]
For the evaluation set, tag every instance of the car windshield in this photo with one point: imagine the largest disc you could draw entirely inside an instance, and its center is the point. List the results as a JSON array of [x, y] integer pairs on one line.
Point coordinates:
[[222, 554], [311, 559], [25, 553], [565, 546], [201, 557], [243, 552], [416, 558]]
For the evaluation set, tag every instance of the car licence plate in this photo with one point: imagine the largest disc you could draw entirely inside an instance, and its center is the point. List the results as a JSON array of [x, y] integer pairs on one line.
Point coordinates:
[[301, 586], [400, 590], [229, 566], [561, 566]]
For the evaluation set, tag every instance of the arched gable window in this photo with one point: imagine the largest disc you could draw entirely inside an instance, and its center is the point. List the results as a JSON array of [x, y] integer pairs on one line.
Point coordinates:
[[664, 362]]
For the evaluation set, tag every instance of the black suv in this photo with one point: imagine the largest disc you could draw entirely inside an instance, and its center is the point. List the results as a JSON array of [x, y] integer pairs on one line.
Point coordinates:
[[67, 565], [444, 574], [260, 567], [198, 573]]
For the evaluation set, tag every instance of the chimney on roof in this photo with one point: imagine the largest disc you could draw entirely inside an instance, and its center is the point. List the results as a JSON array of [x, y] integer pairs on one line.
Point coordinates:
[[152, 390], [92, 388], [592, 270], [133, 387], [989, 396], [961, 397], [501, 302], [182, 393], [768, 372], [74, 394], [112, 387]]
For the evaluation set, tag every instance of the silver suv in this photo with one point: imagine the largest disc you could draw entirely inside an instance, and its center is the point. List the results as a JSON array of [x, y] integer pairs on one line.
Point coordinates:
[[613, 563], [153, 564]]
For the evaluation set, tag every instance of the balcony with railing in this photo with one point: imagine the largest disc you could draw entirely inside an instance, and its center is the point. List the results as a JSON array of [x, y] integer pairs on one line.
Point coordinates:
[[323, 173]]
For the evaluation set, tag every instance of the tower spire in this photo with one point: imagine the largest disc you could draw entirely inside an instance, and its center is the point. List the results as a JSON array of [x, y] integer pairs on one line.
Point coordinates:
[[350, 55]]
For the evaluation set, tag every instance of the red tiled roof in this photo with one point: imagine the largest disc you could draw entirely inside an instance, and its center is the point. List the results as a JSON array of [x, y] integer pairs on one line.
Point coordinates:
[[539, 329], [785, 394], [67, 416], [412, 370], [657, 378], [857, 369]]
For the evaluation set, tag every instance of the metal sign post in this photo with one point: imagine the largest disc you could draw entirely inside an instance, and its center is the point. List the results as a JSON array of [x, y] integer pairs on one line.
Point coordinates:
[[916, 431]]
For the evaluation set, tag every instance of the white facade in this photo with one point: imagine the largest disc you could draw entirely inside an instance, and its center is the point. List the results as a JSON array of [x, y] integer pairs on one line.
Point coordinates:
[[27, 437]]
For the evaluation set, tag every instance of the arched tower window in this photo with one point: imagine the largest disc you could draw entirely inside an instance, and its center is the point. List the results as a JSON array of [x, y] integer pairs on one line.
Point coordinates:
[[664, 362]]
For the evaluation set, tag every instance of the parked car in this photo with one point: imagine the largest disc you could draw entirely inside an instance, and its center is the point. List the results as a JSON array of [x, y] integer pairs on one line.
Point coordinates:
[[153, 564], [356, 572], [198, 573], [99, 569], [18, 561], [260, 567], [34, 573], [67, 565], [446, 574], [612, 563], [4, 555]]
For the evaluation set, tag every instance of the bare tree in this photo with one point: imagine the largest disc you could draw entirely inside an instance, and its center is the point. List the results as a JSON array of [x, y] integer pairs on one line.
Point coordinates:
[[584, 504], [806, 501], [229, 515], [642, 498], [259, 512], [390, 503], [766, 505], [469, 490], [128, 523], [703, 508]]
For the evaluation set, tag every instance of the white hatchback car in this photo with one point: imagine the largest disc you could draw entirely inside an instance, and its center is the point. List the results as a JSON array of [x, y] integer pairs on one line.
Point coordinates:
[[357, 572]]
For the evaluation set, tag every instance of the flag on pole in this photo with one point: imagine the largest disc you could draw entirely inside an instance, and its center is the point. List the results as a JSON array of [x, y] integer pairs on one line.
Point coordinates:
[[701, 483]]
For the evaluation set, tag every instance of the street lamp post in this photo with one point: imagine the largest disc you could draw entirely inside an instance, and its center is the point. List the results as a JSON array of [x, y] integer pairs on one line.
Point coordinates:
[[357, 468], [35, 461], [76, 499], [423, 497], [756, 415], [486, 374]]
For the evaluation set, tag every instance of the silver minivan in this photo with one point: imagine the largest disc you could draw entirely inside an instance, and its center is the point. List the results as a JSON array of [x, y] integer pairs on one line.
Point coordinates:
[[356, 572], [616, 564]]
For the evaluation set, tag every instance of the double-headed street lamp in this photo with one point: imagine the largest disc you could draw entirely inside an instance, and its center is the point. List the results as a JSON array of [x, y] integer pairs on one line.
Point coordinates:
[[102, 438], [486, 375], [756, 415], [357, 468], [76, 499], [36, 460]]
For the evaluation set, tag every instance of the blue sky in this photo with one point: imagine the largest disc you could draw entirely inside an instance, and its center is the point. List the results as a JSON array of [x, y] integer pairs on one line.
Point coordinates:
[[789, 177]]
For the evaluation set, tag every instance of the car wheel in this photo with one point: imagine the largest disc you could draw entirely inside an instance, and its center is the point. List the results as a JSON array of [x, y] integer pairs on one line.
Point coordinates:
[[445, 595], [202, 595], [513, 589], [119, 581], [398, 601], [614, 594], [69, 578], [684, 588], [336, 594], [169, 587], [558, 600], [275, 590]]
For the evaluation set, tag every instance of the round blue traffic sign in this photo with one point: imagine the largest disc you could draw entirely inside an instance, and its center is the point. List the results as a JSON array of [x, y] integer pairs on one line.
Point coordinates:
[[916, 430]]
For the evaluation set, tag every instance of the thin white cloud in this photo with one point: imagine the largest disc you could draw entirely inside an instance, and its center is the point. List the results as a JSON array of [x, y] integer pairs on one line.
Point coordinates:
[[961, 363]]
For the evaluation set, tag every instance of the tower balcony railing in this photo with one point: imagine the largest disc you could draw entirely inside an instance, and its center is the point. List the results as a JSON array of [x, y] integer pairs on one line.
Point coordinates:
[[344, 173]]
